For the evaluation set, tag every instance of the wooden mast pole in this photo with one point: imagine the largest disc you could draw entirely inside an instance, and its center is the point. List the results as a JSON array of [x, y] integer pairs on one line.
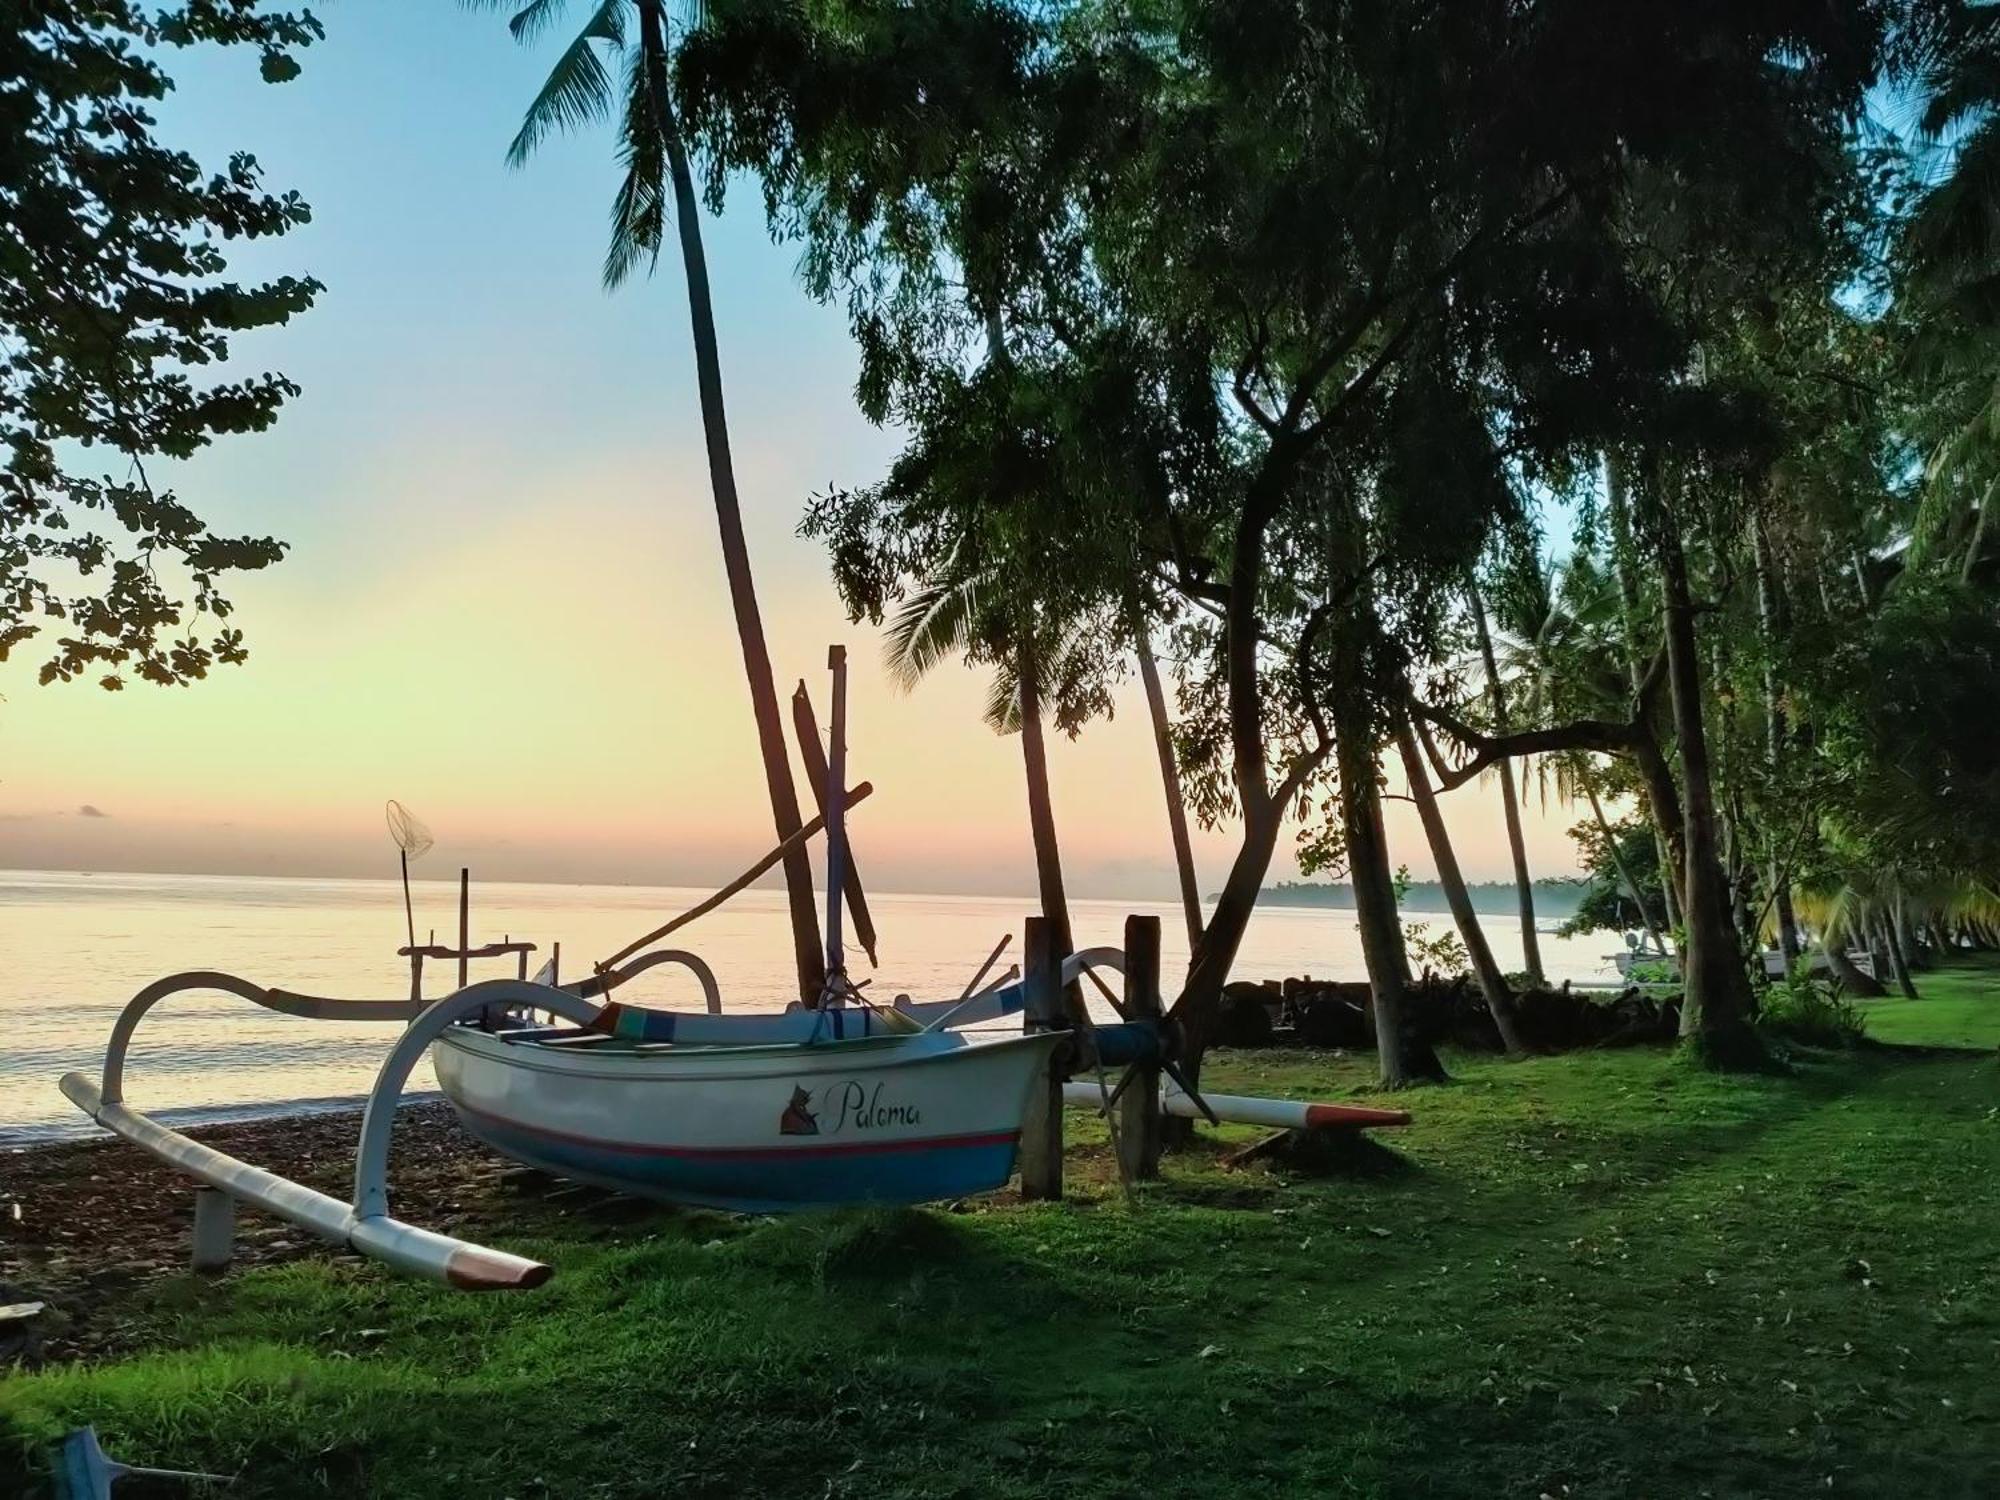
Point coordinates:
[[836, 825], [464, 923]]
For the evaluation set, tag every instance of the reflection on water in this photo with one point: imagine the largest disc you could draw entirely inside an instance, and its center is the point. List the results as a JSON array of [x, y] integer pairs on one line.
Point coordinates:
[[79, 946]]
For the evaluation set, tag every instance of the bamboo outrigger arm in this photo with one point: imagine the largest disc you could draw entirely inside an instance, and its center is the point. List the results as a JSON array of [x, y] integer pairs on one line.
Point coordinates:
[[365, 1224], [1004, 999], [611, 978]]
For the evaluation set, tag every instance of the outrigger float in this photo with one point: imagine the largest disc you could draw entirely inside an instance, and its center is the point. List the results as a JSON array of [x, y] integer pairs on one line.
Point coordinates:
[[841, 1103]]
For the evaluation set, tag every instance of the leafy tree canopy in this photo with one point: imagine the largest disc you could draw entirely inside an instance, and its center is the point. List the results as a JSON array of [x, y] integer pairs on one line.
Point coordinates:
[[115, 299]]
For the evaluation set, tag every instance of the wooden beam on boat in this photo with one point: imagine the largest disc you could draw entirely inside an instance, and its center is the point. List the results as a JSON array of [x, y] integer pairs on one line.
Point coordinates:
[[484, 950], [806, 726], [860, 792], [1041, 1151], [1138, 1108]]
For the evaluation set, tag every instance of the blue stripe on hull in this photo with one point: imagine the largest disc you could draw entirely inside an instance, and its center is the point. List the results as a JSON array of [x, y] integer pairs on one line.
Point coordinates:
[[766, 1184]]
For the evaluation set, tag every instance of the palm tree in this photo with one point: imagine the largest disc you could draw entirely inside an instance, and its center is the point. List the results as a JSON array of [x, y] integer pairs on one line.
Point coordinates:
[[580, 90], [1170, 776], [1510, 802], [1949, 279], [1492, 983], [966, 614]]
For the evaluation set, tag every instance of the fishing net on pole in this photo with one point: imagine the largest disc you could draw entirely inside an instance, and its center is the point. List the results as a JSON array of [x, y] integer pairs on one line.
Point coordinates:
[[411, 840], [407, 830]]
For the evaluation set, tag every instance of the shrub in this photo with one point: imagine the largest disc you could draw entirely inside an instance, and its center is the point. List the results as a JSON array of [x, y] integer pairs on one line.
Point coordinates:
[[1809, 1011]]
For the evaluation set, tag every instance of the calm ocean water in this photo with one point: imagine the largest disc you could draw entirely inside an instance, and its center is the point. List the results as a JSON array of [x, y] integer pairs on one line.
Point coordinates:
[[79, 946]]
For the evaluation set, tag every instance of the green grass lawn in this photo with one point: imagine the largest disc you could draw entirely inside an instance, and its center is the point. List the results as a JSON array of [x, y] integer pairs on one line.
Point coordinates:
[[1956, 1007], [1595, 1275]]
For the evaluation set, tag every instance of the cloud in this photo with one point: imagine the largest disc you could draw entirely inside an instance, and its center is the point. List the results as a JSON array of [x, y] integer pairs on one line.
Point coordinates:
[[90, 811]]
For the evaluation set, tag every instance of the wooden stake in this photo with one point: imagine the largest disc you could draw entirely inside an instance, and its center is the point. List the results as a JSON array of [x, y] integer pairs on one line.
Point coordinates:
[[214, 1229], [1138, 1108], [1042, 1010], [464, 924], [819, 777]]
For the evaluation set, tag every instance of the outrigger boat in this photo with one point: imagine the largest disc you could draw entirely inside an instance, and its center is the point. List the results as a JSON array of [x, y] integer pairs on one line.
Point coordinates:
[[844, 1103]]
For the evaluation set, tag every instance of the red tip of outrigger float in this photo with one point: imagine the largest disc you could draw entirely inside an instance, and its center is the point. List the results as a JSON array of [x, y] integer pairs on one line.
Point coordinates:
[[1353, 1116]]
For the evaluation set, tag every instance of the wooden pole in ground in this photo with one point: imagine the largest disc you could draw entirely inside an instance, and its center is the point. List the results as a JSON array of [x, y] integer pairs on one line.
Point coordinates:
[[1042, 1010], [464, 923], [214, 1229], [1138, 1108]]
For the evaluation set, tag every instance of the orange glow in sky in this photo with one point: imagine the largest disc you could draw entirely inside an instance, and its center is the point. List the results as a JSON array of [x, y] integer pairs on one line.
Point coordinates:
[[504, 603]]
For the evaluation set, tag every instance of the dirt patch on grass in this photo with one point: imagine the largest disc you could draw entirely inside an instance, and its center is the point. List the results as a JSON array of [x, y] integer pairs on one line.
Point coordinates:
[[84, 1225]]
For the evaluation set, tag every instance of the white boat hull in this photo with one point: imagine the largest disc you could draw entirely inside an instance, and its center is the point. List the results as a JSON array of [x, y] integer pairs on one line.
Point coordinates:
[[898, 1119]]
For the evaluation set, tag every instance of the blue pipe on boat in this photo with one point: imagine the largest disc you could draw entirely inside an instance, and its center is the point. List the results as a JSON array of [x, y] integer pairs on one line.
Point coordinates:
[[1126, 1042]]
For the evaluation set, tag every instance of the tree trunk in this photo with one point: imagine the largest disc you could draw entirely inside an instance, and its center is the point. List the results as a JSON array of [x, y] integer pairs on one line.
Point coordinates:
[[1403, 1054], [1380, 826], [1041, 810], [1510, 803], [1170, 779], [1899, 963], [1624, 874], [1878, 951], [1492, 984], [1844, 970], [1978, 542], [729, 520], [1215, 954], [1907, 939], [1716, 1002], [1774, 734], [1861, 589], [1263, 813], [1662, 798]]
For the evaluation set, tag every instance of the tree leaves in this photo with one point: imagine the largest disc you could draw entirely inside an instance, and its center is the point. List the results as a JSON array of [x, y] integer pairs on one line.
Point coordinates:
[[113, 298]]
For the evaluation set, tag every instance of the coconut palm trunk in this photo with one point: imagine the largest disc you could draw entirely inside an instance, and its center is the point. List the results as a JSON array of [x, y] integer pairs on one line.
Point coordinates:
[[1624, 873], [1716, 1003], [1899, 961], [1170, 778], [1403, 1054], [1041, 809], [1844, 970], [1774, 730], [1492, 984], [729, 514], [1510, 802], [1664, 810]]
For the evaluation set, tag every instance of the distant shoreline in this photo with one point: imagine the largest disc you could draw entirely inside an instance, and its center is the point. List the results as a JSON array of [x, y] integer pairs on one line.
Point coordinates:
[[1553, 898], [1558, 895]]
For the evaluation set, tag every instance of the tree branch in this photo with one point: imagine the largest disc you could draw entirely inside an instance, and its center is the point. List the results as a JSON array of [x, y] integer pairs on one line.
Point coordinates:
[[1580, 734]]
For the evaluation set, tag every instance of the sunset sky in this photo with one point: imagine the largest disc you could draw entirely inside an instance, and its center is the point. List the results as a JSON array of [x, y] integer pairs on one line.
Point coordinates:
[[504, 602]]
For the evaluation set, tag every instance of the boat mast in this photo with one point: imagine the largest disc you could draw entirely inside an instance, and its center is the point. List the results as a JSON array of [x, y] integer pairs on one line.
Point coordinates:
[[836, 827]]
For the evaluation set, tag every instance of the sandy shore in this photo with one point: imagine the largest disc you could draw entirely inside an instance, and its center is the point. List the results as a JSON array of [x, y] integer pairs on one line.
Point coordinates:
[[85, 1224]]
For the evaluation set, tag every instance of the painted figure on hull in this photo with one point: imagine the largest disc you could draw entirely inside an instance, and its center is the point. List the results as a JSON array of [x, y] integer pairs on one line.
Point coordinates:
[[797, 1119]]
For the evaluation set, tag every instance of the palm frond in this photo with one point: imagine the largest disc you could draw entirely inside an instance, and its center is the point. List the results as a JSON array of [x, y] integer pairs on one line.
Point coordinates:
[[1003, 701], [639, 211], [578, 89], [534, 18], [933, 624]]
